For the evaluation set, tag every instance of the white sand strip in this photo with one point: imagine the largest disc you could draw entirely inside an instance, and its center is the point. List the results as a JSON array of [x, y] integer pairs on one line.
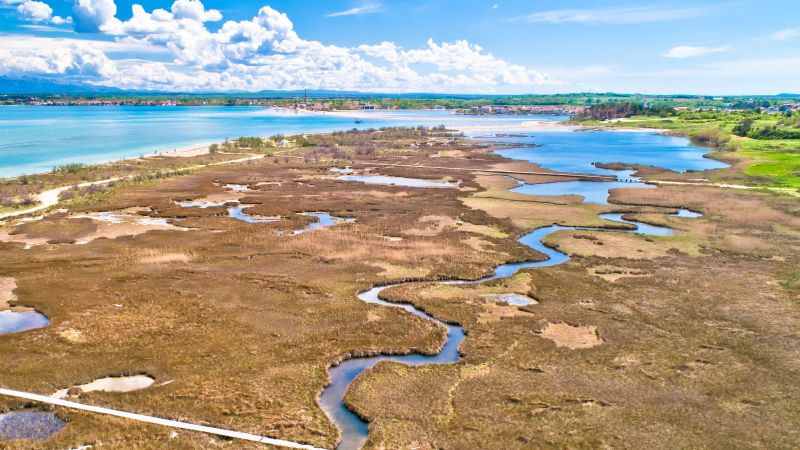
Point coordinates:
[[50, 197]]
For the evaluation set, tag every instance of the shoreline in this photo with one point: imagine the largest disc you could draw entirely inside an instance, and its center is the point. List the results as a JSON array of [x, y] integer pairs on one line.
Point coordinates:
[[202, 148], [185, 151]]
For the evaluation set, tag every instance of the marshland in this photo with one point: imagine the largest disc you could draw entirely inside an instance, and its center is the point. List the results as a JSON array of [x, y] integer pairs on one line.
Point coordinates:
[[663, 316]]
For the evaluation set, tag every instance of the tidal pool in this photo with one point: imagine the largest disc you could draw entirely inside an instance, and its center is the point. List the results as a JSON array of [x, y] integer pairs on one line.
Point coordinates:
[[397, 181], [591, 191], [18, 321], [203, 204], [511, 299], [32, 425], [323, 220], [342, 170], [685, 213], [239, 214]]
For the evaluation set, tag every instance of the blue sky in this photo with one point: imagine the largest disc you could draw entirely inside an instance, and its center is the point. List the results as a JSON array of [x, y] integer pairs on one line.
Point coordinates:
[[473, 46]]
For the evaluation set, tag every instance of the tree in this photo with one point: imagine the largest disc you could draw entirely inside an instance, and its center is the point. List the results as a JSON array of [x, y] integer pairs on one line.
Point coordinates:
[[744, 127]]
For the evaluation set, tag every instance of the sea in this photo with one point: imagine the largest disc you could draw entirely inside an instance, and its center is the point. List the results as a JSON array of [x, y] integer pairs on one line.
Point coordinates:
[[35, 139]]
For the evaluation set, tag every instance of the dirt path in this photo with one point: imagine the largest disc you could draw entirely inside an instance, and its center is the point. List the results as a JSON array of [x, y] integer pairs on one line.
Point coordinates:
[[155, 420], [50, 197]]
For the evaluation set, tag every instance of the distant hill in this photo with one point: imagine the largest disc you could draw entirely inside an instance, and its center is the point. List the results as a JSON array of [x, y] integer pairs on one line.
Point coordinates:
[[48, 86], [31, 85]]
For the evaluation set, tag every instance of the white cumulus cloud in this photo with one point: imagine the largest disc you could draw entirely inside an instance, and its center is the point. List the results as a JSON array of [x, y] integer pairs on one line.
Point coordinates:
[[70, 60], [35, 11], [263, 52], [93, 16]]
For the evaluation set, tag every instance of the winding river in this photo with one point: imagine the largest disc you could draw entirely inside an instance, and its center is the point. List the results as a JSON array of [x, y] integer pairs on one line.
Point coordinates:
[[355, 430]]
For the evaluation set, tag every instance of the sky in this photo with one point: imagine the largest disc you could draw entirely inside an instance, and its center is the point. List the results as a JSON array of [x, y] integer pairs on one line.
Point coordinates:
[[443, 46]]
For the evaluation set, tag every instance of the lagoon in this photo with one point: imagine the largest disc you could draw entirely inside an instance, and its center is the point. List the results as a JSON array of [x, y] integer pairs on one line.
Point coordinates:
[[577, 152], [35, 139]]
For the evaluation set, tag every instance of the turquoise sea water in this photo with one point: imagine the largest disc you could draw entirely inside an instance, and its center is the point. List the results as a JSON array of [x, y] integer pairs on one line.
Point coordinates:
[[35, 139]]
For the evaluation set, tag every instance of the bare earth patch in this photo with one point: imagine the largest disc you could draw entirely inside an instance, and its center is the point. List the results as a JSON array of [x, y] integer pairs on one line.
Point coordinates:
[[85, 228], [572, 337], [7, 286]]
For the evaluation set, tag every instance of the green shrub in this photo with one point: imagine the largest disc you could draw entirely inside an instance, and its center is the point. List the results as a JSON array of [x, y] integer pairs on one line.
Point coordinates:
[[71, 168]]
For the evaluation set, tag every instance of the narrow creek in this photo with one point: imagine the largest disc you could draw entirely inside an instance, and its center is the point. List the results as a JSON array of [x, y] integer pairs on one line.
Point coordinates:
[[354, 430]]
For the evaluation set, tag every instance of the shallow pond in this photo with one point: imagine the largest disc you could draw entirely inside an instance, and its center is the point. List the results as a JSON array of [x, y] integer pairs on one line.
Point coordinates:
[[18, 321], [323, 220], [342, 170], [397, 181], [591, 191], [202, 204], [578, 152], [239, 214], [687, 214], [511, 299], [33, 425]]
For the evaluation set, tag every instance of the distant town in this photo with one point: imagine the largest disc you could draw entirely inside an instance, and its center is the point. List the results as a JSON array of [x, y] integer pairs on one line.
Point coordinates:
[[566, 104]]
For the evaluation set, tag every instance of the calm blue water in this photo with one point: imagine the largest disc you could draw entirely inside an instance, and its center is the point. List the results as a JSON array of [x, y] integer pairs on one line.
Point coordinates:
[[397, 181], [324, 220], [578, 152], [15, 322], [34, 425], [643, 228], [567, 151], [239, 214], [35, 139], [591, 191]]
